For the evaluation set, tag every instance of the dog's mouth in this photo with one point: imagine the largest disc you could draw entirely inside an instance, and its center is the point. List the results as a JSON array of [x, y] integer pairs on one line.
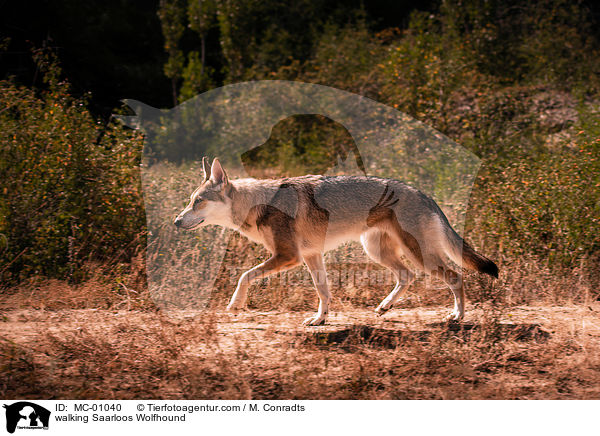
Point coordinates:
[[194, 226]]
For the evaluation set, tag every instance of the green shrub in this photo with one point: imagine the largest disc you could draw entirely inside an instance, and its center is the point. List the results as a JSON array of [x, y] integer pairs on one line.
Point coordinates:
[[70, 184], [544, 203]]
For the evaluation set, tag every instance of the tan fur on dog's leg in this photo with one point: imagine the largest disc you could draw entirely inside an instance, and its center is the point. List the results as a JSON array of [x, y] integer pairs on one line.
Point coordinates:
[[319, 275], [275, 264], [454, 282], [379, 246]]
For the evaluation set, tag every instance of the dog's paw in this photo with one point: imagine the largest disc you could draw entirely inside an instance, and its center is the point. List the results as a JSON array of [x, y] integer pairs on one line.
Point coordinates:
[[455, 316], [235, 308], [381, 310], [315, 320]]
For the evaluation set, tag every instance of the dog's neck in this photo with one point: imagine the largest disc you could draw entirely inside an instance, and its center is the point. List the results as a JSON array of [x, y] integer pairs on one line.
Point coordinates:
[[246, 195]]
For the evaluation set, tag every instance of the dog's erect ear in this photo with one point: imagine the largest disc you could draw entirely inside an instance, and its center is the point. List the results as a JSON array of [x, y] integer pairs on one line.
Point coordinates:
[[217, 173], [206, 169]]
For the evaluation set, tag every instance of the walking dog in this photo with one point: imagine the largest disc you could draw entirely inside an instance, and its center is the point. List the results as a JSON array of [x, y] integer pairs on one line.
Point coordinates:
[[297, 219]]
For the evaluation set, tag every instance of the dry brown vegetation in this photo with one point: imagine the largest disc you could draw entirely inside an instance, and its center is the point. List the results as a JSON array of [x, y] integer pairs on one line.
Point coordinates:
[[91, 342]]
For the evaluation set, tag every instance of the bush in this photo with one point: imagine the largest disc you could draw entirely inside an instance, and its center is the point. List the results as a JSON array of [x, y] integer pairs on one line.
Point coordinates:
[[544, 204], [70, 184]]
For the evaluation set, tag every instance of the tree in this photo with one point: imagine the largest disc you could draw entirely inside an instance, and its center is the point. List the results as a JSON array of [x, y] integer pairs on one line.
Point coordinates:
[[172, 18]]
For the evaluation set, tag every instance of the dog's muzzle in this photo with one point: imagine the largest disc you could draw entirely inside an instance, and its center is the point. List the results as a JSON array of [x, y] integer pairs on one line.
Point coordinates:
[[178, 222]]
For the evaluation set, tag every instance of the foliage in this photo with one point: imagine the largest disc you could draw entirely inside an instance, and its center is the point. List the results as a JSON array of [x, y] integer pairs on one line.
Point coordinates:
[[259, 36], [70, 189], [344, 57], [514, 82], [299, 145], [546, 204], [172, 13]]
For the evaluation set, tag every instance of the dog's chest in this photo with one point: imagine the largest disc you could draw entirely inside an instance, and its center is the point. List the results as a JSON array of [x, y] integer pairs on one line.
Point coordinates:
[[251, 232]]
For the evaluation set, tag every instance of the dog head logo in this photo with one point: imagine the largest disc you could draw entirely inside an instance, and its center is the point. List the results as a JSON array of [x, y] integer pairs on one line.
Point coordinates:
[[235, 123], [26, 415]]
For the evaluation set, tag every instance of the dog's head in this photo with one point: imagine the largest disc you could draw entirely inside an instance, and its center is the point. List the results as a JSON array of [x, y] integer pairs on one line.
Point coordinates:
[[209, 203]]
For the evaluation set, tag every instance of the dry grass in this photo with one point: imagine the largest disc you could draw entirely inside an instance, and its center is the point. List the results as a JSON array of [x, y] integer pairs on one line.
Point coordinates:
[[541, 352], [106, 339]]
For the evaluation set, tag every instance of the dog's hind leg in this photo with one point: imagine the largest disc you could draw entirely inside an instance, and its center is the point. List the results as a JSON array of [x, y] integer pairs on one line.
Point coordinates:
[[380, 247], [277, 263], [316, 265], [454, 282]]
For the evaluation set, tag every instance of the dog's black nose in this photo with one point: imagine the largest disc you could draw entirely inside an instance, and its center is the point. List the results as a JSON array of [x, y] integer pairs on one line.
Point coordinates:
[[177, 222]]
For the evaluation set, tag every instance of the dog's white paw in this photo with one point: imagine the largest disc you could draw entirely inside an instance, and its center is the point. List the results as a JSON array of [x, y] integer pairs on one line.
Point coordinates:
[[455, 316], [381, 309], [315, 320]]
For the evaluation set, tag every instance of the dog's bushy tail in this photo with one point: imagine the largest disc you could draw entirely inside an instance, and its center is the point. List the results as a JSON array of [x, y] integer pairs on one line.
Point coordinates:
[[463, 254], [478, 262]]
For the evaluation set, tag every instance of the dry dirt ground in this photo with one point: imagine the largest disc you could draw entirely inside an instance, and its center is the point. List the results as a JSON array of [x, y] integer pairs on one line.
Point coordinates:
[[523, 352]]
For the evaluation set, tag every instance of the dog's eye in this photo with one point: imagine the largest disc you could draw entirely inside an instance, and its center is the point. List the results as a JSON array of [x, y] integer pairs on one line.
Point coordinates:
[[198, 200]]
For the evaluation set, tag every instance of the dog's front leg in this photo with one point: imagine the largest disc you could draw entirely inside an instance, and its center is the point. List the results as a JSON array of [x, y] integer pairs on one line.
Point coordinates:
[[273, 265], [319, 275]]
